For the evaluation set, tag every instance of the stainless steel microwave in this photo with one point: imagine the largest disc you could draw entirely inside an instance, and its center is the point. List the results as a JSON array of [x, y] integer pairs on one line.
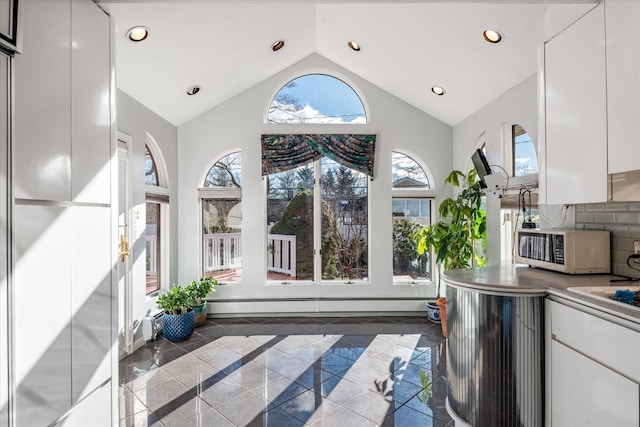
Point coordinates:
[[567, 251]]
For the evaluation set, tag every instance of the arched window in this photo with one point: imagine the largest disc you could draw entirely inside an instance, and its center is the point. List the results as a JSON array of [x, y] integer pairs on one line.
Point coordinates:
[[221, 197], [411, 207], [316, 98], [522, 204], [157, 204], [524, 159], [406, 172], [150, 169]]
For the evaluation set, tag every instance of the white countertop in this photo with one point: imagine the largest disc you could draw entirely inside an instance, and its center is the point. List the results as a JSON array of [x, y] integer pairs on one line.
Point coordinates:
[[519, 279]]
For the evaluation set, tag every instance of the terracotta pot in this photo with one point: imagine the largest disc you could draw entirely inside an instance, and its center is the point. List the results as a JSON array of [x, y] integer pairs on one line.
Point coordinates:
[[442, 304]]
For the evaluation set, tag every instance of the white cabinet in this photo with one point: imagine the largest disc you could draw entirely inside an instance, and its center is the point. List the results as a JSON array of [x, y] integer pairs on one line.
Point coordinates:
[[623, 84], [63, 148], [64, 297], [575, 104], [90, 105], [592, 371], [42, 138]]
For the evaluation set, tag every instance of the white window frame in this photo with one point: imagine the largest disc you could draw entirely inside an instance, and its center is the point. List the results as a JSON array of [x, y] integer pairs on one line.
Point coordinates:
[[162, 192], [317, 237], [418, 193], [205, 193]]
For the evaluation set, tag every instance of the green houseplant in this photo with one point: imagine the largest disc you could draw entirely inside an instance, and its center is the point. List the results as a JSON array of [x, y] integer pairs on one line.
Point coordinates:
[[462, 222], [178, 321], [198, 291]]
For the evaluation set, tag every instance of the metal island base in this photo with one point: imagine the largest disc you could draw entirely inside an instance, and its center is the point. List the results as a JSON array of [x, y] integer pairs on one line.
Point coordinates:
[[495, 350]]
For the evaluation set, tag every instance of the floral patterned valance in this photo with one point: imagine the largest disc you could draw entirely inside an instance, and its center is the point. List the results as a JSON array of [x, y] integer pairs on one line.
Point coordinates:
[[285, 152]]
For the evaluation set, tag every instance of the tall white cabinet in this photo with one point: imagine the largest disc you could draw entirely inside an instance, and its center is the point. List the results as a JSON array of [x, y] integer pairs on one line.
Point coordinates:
[[576, 115], [63, 294]]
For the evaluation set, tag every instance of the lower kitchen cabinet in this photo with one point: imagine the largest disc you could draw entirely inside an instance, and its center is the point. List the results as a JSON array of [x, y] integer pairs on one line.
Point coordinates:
[[587, 393], [593, 378]]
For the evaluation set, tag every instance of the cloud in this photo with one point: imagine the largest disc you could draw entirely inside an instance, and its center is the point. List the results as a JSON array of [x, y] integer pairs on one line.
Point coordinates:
[[288, 113], [523, 160]]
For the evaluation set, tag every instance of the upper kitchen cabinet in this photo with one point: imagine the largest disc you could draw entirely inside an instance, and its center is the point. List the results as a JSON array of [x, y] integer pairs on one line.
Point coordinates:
[[9, 25], [575, 104], [623, 84]]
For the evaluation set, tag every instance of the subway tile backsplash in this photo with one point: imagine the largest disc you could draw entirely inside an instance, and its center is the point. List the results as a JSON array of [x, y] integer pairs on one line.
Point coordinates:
[[623, 221]]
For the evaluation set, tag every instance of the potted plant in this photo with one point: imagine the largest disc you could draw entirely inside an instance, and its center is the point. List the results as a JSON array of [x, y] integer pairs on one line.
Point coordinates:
[[462, 222], [178, 321], [198, 291]]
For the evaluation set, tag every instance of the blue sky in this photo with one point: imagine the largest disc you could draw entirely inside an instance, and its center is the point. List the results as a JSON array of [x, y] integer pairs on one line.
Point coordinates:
[[328, 95], [525, 155]]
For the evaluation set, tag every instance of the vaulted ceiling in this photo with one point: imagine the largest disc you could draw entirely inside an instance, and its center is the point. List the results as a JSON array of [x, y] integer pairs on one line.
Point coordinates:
[[406, 48]]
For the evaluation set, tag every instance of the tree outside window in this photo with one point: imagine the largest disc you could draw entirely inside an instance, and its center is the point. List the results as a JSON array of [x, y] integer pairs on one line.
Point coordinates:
[[411, 210], [221, 198], [339, 235]]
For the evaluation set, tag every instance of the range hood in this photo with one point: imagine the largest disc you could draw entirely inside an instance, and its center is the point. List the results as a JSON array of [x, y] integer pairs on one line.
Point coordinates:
[[624, 187]]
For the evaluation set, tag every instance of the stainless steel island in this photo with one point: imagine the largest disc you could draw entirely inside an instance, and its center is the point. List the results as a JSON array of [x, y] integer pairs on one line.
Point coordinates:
[[495, 347]]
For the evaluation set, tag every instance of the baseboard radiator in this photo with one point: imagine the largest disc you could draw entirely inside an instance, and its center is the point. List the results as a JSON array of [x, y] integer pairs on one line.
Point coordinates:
[[152, 325]]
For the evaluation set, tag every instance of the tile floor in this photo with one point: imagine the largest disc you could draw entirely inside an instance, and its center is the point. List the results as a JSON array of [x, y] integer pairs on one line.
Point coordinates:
[[363, 371]]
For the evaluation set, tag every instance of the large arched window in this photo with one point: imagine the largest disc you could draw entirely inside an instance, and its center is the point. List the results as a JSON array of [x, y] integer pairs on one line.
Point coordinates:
[[157, 203], [411, 209], [316, 98], [220, 198]]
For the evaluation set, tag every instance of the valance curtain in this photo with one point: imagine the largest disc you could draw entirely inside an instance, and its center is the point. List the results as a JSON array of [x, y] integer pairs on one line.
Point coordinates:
[[285, 152]]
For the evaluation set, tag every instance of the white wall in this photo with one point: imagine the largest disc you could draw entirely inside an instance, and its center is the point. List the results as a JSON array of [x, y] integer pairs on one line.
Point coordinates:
[[136, 121], [491, 123], [238, 124]]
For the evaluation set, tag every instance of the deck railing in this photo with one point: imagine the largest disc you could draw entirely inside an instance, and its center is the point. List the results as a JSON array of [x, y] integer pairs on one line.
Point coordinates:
[[223, 251], [281, 255]]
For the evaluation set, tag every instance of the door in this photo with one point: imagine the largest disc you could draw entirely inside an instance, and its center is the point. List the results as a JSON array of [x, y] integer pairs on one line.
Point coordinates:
[[125, 295]]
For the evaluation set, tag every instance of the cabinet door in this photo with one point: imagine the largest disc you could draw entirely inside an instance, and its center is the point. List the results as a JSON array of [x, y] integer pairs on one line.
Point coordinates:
[[623, 84], [42, 148], [90, 104], [576, 132], [585, 393]]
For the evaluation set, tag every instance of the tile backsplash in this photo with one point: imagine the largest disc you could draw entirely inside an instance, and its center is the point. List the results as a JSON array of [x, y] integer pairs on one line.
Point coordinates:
[[622, 220]]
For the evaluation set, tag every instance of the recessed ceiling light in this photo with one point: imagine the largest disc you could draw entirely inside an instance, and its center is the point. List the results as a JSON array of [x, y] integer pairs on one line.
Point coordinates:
[[137, 34], [277, 45], [193, 90], [492, 36], [354, 45], [438, 90]]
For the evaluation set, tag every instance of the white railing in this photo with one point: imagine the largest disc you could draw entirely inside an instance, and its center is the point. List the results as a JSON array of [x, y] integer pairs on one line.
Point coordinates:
[[222, 251], [281, 254], [152, 255]]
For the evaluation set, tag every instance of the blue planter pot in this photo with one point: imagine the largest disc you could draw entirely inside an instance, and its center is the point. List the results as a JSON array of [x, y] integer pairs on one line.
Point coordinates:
[[178, 327], [433, 312]]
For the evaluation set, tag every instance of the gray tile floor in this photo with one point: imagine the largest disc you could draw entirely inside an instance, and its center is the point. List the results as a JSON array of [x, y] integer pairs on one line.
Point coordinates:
[[303, 371]]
